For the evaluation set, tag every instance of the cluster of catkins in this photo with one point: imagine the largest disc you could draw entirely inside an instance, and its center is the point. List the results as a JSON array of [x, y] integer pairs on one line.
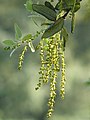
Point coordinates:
[[52, 61]]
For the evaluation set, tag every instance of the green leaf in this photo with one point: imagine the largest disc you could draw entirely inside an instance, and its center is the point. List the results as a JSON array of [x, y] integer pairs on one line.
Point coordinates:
[[77, 7], [56, 27], [45, 11], [46, 24], [27, 37], [28, 5], [18, 33], [9, 42], [58, 5], [72, 22], [49, 5], [63, 5], [64, 34]]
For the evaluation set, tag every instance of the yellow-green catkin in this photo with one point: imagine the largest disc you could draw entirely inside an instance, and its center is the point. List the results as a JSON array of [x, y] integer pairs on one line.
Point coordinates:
[[51, 101], [21, 57], [42, 68], [54, 62], [63, 79]]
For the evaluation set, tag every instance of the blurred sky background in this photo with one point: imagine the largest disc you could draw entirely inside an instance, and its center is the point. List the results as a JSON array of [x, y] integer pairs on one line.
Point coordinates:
[[18, 98]]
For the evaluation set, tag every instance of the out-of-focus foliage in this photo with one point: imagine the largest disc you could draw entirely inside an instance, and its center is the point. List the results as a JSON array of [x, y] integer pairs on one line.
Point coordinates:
[[86, 10], [18, 98], [83, 40]]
